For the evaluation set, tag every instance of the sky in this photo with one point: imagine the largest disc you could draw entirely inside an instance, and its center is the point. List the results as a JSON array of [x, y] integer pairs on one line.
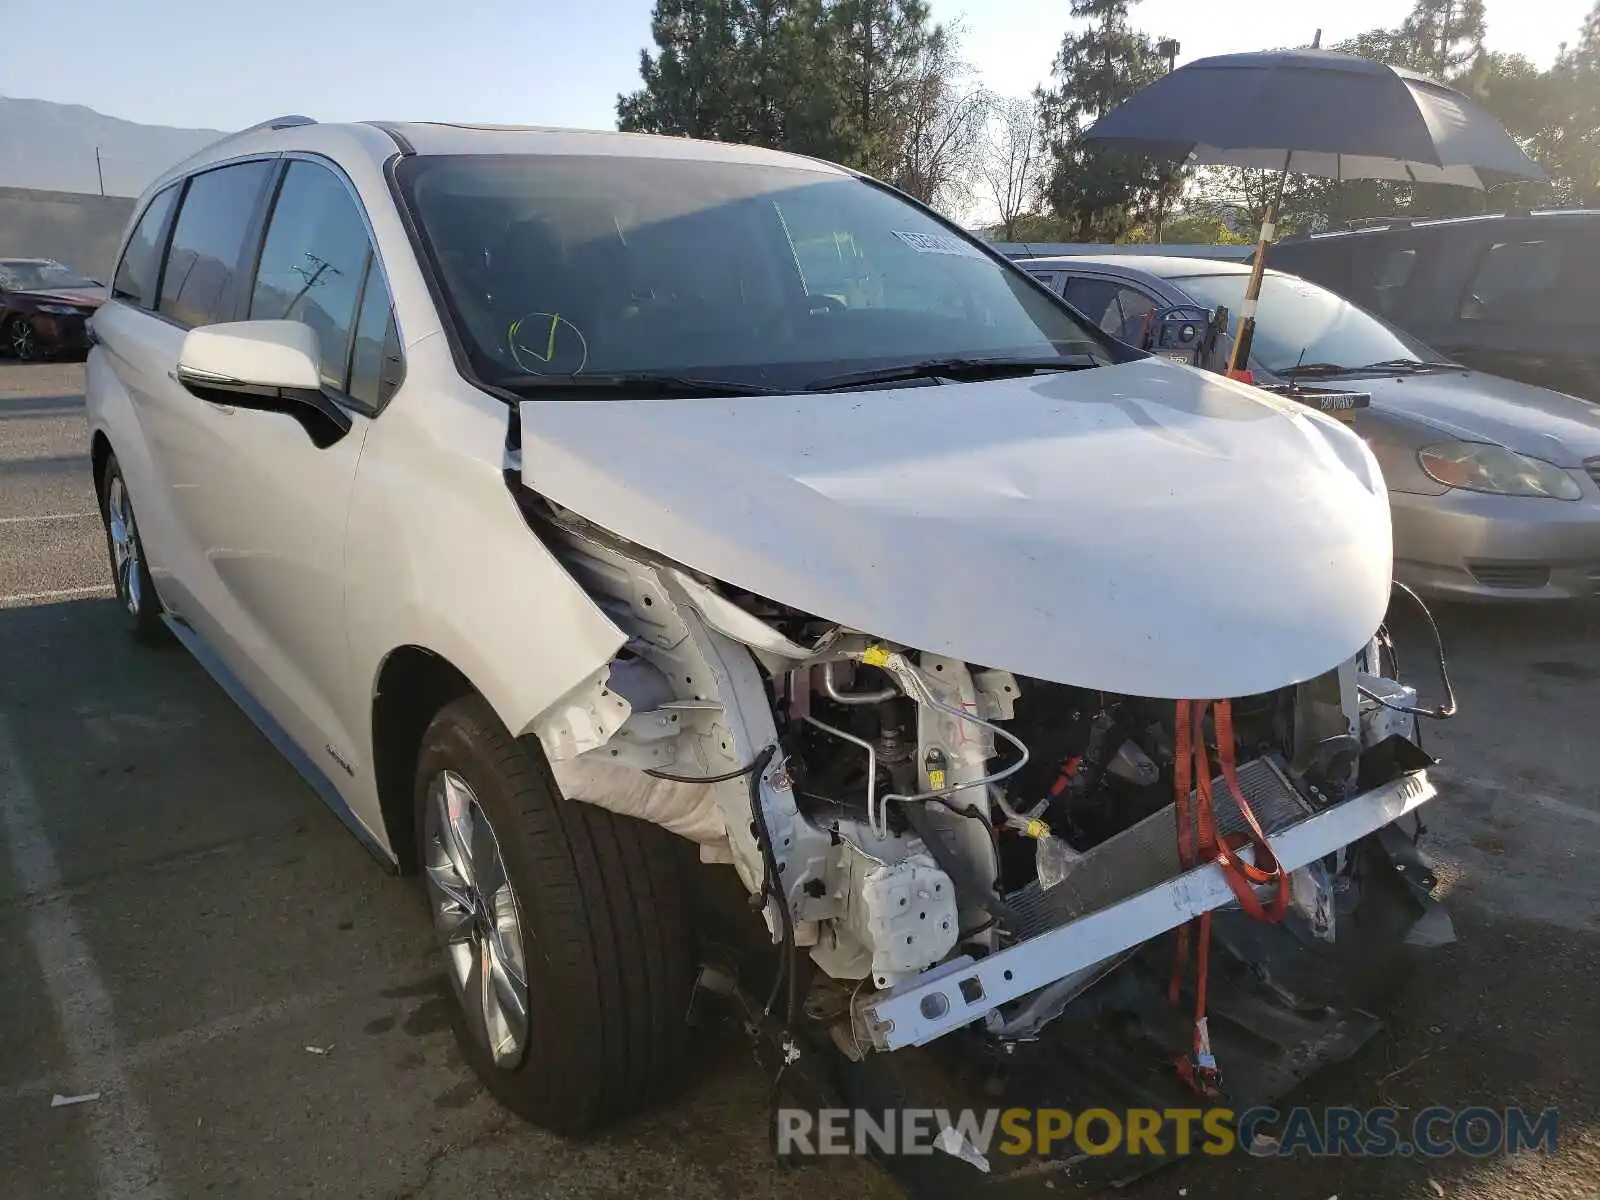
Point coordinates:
[[225, 64]]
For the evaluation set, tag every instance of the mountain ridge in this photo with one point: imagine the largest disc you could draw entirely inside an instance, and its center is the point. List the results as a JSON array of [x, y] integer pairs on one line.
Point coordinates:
[[51, 146]]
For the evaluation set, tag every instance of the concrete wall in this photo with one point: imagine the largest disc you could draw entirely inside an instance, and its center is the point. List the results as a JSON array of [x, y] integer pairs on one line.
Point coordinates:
[[80, 230]]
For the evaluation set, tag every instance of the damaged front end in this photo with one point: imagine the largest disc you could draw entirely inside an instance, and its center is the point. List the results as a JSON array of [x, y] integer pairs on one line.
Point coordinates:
[[952, 853]]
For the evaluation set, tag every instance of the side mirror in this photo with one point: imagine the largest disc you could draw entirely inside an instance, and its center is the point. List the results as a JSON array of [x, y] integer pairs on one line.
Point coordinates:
[[269, 366]]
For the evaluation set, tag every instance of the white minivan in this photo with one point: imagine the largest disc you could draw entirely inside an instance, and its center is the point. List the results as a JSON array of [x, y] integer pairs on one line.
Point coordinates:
[[594, 519]]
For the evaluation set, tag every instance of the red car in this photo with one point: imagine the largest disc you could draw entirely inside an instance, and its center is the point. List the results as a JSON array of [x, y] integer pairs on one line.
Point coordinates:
[[43, 307]]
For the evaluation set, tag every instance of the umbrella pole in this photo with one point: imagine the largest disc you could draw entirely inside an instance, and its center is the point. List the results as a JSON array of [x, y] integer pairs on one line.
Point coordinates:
[[1239, 362]]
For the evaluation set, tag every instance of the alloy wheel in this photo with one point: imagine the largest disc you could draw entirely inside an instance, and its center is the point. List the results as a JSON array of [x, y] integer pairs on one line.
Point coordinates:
[[124, 546], [24, 345], [476, 917]]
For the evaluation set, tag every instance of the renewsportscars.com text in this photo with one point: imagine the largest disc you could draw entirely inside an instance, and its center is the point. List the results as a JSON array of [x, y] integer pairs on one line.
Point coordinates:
[[1477, 1131]]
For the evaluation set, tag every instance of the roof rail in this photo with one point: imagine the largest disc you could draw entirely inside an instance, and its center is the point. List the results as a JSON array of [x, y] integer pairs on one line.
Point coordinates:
[[1375, 222], [288, 121]]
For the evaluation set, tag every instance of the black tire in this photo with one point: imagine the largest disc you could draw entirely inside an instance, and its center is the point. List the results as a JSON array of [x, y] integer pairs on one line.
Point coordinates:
[[137, 599], [22, 340], [605, 925]]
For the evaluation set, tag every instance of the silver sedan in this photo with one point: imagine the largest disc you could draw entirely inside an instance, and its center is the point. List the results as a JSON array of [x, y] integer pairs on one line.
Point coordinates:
[[1494, 486]]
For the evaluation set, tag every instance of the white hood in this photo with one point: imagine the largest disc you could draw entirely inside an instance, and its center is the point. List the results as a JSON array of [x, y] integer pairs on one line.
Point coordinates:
[[1145, 529]]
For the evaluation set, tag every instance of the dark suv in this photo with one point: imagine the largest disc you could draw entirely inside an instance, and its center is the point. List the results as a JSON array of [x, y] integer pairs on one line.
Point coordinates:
[[43, 308], [1515, 295]]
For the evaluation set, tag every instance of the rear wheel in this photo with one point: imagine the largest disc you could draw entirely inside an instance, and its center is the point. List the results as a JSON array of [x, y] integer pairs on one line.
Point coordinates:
[[130, 570], [562, 927]]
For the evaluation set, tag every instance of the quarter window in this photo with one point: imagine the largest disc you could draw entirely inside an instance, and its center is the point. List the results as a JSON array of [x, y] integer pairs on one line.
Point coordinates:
[[197, 285], [1116, 309], [312, 267], [375, 351], [135, 280]]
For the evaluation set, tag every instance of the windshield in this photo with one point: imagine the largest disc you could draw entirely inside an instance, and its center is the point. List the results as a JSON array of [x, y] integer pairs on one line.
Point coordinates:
[[1299, 322], [782, 276], [40, 276]]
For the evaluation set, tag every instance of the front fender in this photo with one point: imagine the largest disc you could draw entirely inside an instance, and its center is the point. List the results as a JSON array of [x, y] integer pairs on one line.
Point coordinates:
[[438, 555]]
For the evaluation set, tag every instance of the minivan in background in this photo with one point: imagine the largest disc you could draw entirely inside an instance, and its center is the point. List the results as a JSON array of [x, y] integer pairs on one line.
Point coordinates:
[[1515, 295]]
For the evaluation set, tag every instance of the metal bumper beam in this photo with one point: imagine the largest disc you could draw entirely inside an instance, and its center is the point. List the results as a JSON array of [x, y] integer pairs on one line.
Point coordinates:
[[964, 990]]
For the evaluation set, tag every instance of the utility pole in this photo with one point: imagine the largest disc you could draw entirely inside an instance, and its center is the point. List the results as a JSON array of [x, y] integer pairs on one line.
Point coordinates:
[[99, 171]]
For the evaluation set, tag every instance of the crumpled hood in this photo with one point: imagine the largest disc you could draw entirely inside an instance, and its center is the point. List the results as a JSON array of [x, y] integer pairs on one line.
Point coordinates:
[[1475, 407], [1146, 528]]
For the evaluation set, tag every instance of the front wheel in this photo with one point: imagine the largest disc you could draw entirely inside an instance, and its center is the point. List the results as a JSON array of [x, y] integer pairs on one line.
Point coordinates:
[[22, 340], [562, 927]]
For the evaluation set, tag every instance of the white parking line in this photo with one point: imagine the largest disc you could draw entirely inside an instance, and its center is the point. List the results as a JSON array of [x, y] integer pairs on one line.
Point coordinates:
[[77, 593], [126, 1162], [72, 516]]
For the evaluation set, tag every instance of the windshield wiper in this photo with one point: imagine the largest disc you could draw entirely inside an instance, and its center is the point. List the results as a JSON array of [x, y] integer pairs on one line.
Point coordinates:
[[1391, 366], [963, 370], [1312, 368], [636, 383], [1407, 366]]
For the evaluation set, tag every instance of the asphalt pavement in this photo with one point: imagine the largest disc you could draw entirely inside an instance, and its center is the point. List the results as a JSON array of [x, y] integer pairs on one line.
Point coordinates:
[[188, 935]]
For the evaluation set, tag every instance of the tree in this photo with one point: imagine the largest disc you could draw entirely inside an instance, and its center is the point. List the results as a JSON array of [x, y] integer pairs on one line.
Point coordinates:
[[874, 84], [1012, 158], [879, 49], [1102, 191], [941, 141], [1572, 136], [685, 83], [1443, 38]]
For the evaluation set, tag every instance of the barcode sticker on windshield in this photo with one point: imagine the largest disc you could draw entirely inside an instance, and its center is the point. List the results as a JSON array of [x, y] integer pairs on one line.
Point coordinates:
[[936, 243]]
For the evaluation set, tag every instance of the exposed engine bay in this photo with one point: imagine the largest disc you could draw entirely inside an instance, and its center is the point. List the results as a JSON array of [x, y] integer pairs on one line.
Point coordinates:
[[958, 846]]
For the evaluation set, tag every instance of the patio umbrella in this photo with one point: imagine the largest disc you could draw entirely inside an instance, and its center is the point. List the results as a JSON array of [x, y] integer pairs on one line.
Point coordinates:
[[1313, 112]]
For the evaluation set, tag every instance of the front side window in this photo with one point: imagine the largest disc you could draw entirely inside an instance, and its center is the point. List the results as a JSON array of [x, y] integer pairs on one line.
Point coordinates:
[[135, 280], [313, 263], [1299, 323], [198, 282], [559, 265]]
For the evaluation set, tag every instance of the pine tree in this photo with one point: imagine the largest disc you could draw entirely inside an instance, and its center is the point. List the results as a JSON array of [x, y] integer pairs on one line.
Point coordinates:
[[686, 82], [1443, 38], [1574, 158], [1101, 192], [879, 46]]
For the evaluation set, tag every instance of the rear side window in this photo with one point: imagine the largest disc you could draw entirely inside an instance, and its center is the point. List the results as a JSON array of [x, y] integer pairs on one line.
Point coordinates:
[[135, 280], [312, 268], [197, 285]]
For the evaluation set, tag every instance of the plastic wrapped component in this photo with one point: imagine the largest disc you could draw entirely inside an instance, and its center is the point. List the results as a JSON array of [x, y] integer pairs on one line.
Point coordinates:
[[1311, 895], [1053, 858]]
